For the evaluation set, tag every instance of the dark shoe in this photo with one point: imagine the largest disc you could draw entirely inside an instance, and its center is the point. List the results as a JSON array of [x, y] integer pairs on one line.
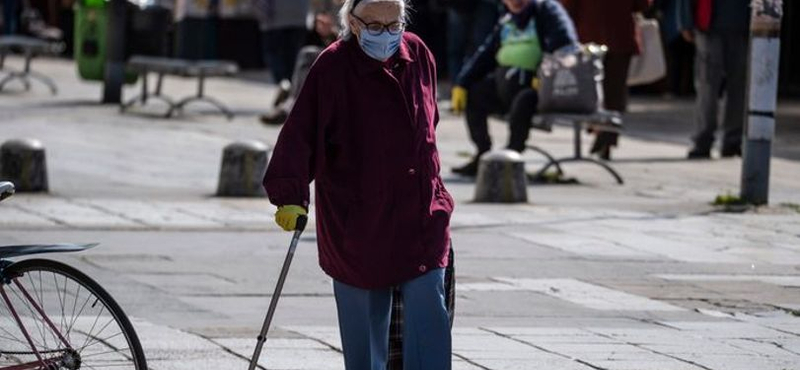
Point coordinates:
[[274, 117], [733, 151], [603, 143], [470, 169], [605, 153], [697, 153]]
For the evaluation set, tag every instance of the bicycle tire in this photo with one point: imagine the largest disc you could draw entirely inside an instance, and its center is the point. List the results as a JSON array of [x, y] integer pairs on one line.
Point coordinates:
[[62, 301]]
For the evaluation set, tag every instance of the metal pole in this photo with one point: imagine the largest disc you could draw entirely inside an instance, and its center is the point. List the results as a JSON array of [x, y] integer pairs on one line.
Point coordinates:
[[273, 303], [115, 46], [765, 29]]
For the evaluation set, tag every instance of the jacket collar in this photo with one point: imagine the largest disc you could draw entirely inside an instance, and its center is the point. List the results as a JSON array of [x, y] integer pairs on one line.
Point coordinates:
[[365, 64]]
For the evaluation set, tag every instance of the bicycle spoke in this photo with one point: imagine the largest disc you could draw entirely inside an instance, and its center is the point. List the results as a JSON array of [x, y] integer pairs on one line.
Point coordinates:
[[64, 311], [39, 326]]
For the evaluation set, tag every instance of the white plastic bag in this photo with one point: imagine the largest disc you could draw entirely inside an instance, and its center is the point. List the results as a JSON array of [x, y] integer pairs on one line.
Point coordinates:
[[649, 66]]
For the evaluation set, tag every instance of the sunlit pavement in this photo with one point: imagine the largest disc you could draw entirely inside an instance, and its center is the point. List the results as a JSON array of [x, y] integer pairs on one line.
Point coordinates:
[[647, 275]]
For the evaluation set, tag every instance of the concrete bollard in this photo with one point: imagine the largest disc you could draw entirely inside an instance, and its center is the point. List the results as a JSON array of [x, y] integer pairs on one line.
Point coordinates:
[[501, 178], [22, 162], [243, 166]]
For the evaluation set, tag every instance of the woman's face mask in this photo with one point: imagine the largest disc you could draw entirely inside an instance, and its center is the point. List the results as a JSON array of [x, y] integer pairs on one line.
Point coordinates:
[[380, 47], [381, 29]]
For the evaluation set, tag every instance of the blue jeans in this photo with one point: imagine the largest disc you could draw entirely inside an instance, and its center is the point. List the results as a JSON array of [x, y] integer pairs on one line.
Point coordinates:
[[364, 324]]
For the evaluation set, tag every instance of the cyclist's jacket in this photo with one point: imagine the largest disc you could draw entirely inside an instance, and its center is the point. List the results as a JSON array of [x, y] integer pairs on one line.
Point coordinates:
[[519, 40]]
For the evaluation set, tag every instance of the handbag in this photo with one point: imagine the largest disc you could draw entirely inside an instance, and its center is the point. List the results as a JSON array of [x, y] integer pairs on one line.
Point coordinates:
[[649, 66], [572, 82]]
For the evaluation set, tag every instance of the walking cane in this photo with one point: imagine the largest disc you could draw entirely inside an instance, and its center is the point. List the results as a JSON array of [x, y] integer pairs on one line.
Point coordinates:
[[301, 224]]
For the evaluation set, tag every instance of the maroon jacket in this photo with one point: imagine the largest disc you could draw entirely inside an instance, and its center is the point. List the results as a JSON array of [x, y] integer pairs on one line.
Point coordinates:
[[365, 131], [607, 22]]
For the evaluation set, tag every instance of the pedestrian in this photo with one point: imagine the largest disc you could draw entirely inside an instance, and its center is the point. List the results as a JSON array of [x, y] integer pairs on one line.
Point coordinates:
[[363, 128], [720, 32], [468, 24], [283, 33], [323, 34], [610, 23], [498, 78], [11, 16]]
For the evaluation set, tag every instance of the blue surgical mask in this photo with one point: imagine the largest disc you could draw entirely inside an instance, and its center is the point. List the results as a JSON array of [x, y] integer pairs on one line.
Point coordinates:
[[380, 47]]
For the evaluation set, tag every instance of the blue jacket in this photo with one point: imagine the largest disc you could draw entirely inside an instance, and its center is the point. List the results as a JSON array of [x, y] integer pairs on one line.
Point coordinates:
[[727, 17], [553, 26]]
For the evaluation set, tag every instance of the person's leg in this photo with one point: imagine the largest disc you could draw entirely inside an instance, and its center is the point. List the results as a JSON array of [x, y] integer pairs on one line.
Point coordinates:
[[364, 325], [270, 44], [482, 100], [708, 79], [293, 40], [10, 16], [615, 95], [523, 107], [426, 328], [735, 51]]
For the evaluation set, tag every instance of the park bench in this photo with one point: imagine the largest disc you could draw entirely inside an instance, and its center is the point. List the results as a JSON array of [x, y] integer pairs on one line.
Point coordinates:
[[200, 69], [609, 121], [30, 48]]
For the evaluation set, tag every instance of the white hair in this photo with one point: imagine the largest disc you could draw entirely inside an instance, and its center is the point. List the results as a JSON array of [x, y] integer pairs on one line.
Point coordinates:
[[344, 13]]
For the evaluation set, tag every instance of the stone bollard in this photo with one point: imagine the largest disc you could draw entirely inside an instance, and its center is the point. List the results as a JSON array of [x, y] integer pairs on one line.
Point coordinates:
[[501, 178], [243, 166], [22, 162]]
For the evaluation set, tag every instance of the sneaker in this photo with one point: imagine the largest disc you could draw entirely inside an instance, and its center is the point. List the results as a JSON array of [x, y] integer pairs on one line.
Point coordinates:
[[470, 169], [697, 153]]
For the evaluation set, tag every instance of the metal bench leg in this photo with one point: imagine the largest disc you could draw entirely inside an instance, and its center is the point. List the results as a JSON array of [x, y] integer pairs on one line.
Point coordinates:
[[15, 76], [200, 97], [5, 80], [141, 97], [551, 161], [590, 160], [207, 99], [45, 80]]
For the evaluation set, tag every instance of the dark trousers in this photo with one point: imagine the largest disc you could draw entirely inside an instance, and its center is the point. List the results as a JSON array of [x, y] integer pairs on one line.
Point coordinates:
[[721, 60], [280, 48], [615, 93], [10, 16], [501, 92]]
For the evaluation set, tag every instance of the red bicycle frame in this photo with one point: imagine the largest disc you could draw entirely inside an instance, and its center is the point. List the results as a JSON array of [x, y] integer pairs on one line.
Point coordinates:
[[41, 363]]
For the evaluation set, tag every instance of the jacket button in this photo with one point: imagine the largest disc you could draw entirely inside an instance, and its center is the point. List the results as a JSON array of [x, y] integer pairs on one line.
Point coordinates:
[[412, 171], [422, 268]]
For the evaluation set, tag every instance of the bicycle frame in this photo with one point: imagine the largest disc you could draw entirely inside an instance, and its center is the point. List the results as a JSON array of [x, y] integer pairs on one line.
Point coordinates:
[[42, 362]]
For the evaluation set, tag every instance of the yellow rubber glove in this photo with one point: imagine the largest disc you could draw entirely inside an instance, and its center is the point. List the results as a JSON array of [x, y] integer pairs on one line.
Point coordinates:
[[458, 102], [535, 83], [286, 217]]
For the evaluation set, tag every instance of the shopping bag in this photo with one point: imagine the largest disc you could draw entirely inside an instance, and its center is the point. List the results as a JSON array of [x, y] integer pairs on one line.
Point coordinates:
[[572, 82], [649, 66]]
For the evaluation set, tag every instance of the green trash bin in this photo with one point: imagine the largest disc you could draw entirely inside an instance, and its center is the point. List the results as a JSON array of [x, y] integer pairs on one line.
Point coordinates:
[[91, 27]]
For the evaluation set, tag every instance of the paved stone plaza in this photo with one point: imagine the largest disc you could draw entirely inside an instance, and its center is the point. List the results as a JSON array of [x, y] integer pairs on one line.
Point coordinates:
[[594, 275]]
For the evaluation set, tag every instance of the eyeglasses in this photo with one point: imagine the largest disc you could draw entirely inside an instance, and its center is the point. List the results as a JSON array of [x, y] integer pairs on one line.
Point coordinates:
[[376, 28]]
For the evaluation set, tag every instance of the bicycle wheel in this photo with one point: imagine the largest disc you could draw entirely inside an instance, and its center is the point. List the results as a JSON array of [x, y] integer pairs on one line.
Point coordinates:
[[68, 321]]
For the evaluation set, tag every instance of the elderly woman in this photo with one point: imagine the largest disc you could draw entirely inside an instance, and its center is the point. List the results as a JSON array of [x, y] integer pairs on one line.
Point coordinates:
[[363, 127]]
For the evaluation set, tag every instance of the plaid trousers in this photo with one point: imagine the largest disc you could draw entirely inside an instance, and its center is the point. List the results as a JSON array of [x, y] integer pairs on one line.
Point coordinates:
[[395, 361]]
